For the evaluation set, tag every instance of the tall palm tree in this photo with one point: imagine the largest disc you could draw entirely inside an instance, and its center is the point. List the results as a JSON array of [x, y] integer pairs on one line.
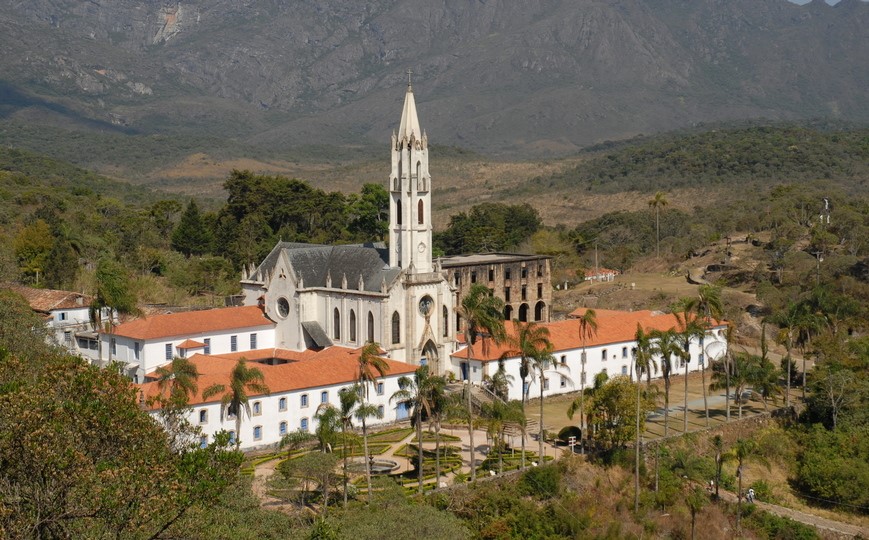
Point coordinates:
[[643, 362], [348, 398], [658, 202], [482, 314], [726, 362], [529, 339], [587, 329], [541, 362], [363, 412], [733, 374], [709, 306], [235, 400], [423, 392], [179, 379], [667, 347], [689, 328], [371, 367], [744, 450]]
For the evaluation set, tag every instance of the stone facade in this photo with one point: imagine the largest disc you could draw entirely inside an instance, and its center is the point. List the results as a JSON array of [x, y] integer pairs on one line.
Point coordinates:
[[523, 282]]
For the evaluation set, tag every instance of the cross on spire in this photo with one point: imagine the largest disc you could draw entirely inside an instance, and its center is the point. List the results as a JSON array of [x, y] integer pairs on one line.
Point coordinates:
[[409, 73]]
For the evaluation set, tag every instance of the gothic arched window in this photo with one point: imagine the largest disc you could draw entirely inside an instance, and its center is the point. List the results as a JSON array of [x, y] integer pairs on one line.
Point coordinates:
[[370, 327], [446, 321], [420, 209], [336, 324], [352, 330], [396, 328]]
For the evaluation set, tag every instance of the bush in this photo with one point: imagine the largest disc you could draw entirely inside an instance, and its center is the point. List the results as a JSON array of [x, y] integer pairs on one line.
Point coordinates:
[[779, 528], [543, 481]]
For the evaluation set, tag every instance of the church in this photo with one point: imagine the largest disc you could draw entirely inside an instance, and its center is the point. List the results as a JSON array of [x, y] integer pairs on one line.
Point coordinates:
[[321, 295], [313, 296]]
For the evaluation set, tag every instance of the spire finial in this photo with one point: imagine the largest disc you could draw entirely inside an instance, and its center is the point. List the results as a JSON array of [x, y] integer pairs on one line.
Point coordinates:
[[409, 74]]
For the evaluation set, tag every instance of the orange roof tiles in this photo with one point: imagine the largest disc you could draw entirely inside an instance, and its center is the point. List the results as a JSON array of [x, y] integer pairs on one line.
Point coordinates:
[[190, 344], [306, 369], [612, 327], [193, 322], [45, 300]]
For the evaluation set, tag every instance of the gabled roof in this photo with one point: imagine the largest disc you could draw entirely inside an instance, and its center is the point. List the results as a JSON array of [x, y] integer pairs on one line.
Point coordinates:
[[191, 344], [613, 327], [305, 369], [193, 323], [315, 262], [47, 300]]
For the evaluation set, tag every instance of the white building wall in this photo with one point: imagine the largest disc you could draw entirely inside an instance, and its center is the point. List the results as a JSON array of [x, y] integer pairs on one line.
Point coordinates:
[[271, 415], [615, 358], [152, 353]]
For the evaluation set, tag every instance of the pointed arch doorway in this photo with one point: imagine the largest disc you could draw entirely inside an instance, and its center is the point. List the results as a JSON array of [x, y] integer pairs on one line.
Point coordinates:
[[430, 357]]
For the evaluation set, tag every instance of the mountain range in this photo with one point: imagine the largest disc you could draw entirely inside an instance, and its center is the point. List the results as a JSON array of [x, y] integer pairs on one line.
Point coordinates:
[[497, 76]]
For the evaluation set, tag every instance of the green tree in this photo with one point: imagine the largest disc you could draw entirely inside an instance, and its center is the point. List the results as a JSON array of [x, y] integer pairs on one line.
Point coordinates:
[[734, 374], [363, 412], [689, 329], [541, 362], [587, 330], [179, 378], [32, 246], [695, 500], [423, 392], [500, 415], [61, 266], [348, 399], [191, 236], [527, 342], [743, 451], [643, 363], [371, 367], [667, 347], [114, 294], [613, 406], [23, 333], [235, 398], [481, 313], [656, 203], [370, 211], [707, 307], [80, 458]]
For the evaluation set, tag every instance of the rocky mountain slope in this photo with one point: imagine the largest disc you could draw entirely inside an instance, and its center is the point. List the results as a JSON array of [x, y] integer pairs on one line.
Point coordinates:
[[533, 77]]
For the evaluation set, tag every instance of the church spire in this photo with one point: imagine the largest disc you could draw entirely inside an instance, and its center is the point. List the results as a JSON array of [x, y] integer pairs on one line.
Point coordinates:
[[409, 125]]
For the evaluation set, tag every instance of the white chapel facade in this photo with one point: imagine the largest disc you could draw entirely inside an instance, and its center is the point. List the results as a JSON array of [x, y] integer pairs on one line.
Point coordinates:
[[321, 295]]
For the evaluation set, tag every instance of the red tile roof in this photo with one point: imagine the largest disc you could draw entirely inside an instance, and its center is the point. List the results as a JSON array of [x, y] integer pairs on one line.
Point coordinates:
[[306, 369], [613, 327], [193, 322], [190, 344], [46, 300]]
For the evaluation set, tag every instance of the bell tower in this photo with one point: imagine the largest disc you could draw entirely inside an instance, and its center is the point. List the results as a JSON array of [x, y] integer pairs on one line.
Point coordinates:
[[410, 223]]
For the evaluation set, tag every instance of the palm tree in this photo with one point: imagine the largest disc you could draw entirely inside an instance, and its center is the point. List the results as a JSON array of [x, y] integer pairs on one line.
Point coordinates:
[[587, 330], [482, 314], [643, 362], [695, 501], [371, 366], [528, 340], [718, 445], [500, 415], [422, 391], [235, 400], [733, 374], [690, 328], [658, 202], [710, 307], [726, 362], [363, 412], [744, 450], [667, 347], [348, 398], [179, 378], [541, 362]]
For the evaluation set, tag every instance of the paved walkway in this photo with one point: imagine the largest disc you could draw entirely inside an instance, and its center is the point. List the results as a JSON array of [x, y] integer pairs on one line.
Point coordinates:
[[809, 519]]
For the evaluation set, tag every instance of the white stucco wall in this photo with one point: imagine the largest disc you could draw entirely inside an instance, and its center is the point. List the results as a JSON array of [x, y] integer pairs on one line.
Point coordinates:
[[271, 415]]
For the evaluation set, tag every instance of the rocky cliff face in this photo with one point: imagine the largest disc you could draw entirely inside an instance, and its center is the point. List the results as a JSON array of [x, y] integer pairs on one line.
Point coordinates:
[[494, 75]]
